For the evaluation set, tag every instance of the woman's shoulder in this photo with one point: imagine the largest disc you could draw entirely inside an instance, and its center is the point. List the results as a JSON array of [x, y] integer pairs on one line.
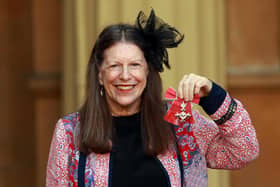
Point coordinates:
[[70, 121]]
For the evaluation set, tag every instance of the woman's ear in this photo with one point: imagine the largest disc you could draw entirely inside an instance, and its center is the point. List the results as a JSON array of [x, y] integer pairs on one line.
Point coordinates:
[[100, 78], [148, 70]]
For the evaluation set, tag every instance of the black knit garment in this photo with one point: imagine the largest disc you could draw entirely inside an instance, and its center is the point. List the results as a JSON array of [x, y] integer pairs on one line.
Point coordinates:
[[131, 167]]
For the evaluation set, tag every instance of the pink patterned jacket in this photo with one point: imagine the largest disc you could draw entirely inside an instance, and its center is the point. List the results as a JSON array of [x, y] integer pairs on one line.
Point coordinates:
[[228, 146]]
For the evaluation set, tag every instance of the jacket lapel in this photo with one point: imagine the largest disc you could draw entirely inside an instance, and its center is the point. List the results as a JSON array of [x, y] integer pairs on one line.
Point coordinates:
[[171, 165], [101, 170]]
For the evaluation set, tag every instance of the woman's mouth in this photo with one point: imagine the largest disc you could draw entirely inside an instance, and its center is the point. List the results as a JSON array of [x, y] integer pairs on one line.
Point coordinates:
[[125, 87]]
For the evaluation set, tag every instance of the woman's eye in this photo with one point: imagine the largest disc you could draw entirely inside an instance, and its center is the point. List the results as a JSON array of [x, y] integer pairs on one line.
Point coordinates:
[[113, 66], [135, 65]]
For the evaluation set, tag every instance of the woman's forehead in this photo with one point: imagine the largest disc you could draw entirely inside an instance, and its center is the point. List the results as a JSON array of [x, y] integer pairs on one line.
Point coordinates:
[[123, 51]]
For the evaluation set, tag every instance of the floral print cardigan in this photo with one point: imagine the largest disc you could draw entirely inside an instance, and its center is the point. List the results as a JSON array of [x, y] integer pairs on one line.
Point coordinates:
[[230, 145]]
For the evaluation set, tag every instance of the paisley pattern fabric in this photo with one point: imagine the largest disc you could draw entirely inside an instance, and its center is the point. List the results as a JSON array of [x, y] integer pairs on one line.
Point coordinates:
[[228, 146]]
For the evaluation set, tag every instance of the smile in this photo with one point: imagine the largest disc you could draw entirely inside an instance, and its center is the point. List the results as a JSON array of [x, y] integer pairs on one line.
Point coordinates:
[[125, 87]]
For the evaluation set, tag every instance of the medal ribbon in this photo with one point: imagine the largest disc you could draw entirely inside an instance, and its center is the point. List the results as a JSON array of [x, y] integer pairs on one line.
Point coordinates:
[[180, 115], [180, 110]]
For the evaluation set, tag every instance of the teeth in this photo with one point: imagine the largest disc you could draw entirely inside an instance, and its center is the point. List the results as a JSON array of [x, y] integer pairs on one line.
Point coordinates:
[[125, 87]]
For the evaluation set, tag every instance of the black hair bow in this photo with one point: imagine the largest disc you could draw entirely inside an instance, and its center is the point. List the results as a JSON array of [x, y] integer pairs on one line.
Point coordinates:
[[159, 36]]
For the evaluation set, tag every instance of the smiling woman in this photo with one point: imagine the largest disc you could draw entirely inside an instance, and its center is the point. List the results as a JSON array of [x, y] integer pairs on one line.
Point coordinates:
[[120, 137]]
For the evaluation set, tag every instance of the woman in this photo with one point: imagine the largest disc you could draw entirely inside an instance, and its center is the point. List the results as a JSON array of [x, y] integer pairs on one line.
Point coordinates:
[[123, 134]]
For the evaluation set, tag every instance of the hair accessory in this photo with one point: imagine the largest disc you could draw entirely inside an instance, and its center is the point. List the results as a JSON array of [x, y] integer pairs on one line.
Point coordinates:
[[159, 36]]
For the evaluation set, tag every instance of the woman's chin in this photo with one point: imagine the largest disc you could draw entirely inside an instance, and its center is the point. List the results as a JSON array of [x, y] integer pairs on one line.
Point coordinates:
[[128, 104]]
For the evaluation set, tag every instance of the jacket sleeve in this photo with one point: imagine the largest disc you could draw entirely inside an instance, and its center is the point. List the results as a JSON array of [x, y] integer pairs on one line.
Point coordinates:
[[230, 145], [57, 167]]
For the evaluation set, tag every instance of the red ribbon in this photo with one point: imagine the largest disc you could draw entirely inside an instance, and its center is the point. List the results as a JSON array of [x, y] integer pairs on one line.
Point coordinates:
[[183, 135], [180, 110]]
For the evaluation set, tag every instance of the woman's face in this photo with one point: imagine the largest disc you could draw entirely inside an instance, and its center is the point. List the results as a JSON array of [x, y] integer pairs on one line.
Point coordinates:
[[123, 73]]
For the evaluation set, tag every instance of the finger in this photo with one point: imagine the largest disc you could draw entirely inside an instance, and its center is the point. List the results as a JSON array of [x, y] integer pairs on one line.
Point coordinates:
[[198, 86], [195, 87], [203, 87], [188, 88], [180, 87]]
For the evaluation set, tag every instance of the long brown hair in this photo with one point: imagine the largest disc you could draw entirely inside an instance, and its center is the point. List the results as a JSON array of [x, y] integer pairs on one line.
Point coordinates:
[[95, 117]]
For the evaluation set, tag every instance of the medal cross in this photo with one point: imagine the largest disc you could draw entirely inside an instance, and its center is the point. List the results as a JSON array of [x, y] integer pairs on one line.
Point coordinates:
[[183, 115]]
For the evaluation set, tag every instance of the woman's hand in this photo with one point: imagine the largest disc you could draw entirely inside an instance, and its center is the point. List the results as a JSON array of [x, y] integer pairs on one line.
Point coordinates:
[[194, 84]]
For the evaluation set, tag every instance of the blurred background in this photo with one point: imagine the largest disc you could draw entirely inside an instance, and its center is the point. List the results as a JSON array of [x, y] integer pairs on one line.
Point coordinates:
[[45, 46]]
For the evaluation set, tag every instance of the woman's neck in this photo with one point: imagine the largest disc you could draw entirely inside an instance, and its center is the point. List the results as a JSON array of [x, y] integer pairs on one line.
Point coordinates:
[[124, 112], [118, 110]]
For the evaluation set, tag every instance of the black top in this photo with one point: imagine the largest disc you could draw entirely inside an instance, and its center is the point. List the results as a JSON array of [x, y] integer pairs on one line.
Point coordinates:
[[130, 165]]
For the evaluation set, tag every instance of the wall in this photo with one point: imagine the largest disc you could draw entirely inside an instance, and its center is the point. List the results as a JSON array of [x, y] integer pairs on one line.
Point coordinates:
[[17, 134], [30, 53], [254, 78]]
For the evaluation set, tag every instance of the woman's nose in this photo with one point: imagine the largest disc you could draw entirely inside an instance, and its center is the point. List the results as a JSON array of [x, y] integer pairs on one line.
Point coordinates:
[[125, 74]]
